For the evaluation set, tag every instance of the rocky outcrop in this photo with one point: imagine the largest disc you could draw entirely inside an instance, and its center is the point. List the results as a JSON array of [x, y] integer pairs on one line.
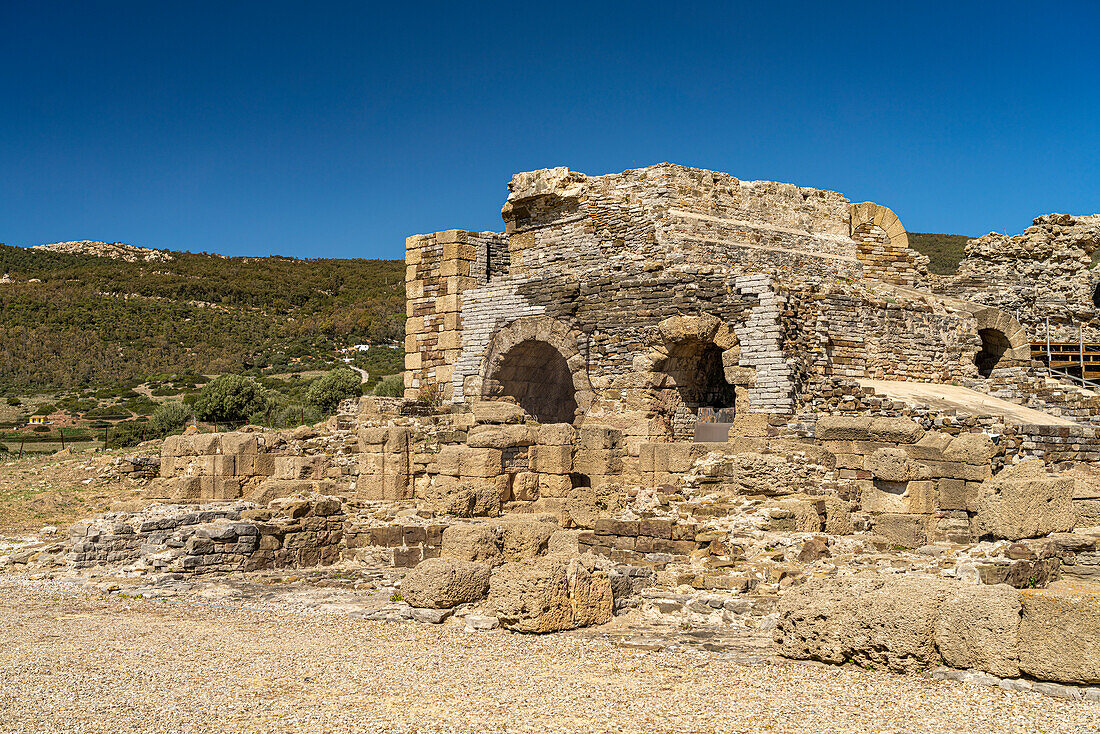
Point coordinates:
[[115, 251]]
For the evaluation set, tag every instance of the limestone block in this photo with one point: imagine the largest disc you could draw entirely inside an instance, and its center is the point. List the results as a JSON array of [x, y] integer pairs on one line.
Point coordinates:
[[861, 428], [978, 628], [1023, 502], [598, 437], [371, 439], [970, 448], [597, 462], [487, 437], [557, 434], [178, 446], [661, 457], [557, 459], [1060, 633], [265, 465], [532, 596], [372, 464], [225, 488], [440, 583], [473, 542], [894, 465], [645, 458], [899, 497], [679, 457], [473, 499], [239, 444], [479, 462], [959, 470], [448, 460], [492, 411], [590, 594], [887, 622], [525, 537], [525, 487], [167, 465], [397, 440], [554, 485], [951, 494], [930, 446], [838, 520], [902, 530], [225, 465], [207, 443]]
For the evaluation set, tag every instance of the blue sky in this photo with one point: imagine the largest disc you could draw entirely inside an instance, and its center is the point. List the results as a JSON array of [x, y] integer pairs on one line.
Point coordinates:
[[335, 129]]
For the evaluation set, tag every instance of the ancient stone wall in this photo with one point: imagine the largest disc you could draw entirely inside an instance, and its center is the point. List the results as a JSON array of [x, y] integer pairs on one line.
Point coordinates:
[[214, 538], [604, 260], [1043, 275]]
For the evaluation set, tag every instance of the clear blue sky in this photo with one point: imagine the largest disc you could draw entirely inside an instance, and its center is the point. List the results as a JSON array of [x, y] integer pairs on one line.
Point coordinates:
[[335, 129]]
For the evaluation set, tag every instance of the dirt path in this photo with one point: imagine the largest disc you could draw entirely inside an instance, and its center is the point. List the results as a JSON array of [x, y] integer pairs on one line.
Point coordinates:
[[73, 662]]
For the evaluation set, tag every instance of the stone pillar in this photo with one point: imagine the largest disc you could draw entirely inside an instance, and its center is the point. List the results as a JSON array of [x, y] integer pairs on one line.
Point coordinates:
[[437, 271]]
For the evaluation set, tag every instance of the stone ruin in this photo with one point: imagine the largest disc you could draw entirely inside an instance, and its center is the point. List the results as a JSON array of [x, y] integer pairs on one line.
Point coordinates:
[[671, 393]]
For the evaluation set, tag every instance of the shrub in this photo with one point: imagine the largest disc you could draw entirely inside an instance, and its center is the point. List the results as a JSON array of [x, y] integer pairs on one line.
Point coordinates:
[[45, 409], [391, 386], [229, 398], [12, 400], [291, 416], [108, 412], [124, 435], [169, 417], [327, 391]]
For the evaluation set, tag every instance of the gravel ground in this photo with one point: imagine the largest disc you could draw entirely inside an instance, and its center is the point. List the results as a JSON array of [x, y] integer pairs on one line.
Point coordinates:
[[77, 662]]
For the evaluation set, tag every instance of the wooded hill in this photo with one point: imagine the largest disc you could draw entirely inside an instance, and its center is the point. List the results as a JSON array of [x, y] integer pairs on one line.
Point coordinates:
[[96, 320]]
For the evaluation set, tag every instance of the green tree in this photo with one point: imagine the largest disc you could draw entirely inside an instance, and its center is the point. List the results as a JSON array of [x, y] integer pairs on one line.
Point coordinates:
[[169, 417], [391, 386], [230, 398], [328, 390]]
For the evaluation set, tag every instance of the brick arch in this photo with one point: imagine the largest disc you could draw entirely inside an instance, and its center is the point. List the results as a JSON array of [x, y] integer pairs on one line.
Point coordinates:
[[869, 215], [1002, 338], [882, 245], [534, 348]]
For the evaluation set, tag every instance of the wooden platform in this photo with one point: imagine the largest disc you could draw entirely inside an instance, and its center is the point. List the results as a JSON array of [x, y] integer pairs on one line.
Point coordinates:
[[1069, 357]]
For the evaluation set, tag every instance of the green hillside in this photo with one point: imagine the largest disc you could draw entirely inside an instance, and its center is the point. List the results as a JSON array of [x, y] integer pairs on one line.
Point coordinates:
[[95, 320], [944, 251]]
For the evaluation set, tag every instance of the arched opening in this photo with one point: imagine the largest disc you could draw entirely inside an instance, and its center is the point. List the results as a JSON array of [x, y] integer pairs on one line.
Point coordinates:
[[696, 388], [994, 346], [537, 377], [1096, 294]]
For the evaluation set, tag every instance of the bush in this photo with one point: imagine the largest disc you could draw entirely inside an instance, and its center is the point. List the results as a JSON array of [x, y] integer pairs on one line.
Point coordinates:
[[391, 386], [327, 391], [124, 435], [45, 409], [291, 416], [12, 400], [169, 417], [107, 412], [229, 398]]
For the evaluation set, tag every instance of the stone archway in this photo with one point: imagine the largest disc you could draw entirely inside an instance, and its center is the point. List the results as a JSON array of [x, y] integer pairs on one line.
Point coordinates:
[[537, 362], [994, 346], [1003, 339], [697, 374], [537, 377]]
